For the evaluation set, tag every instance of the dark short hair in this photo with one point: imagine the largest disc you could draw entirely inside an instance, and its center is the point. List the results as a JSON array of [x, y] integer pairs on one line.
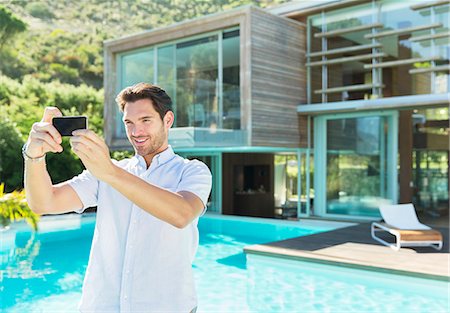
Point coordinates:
[[160, 100]]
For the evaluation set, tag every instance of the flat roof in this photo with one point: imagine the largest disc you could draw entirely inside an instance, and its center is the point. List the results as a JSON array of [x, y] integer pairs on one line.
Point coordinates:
[[307, 7], [294, 6]]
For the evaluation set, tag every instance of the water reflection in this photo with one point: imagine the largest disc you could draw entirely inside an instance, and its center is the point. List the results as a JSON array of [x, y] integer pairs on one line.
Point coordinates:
[[41, 264]]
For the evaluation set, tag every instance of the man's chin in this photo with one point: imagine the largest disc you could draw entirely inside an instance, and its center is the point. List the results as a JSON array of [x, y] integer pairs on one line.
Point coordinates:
[[143, 151], [140, 152]]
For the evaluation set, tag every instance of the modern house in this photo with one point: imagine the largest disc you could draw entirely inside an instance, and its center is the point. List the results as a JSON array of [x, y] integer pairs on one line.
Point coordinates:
[[311, 108]]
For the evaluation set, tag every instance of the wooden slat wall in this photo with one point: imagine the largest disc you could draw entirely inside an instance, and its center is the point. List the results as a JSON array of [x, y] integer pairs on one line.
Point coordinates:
[[278, 79]]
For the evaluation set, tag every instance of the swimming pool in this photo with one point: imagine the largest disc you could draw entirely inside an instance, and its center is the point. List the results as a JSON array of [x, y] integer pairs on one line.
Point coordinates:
[[44, 272]]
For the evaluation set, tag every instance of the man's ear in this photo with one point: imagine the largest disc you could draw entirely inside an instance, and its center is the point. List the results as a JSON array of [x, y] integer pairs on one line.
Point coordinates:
[[169, 119]]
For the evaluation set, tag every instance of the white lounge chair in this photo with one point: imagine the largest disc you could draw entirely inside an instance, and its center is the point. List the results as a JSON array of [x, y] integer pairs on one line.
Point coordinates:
[[402, 222]]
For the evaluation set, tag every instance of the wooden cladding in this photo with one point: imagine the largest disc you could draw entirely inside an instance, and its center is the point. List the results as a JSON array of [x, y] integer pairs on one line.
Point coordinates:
[[278, 80]]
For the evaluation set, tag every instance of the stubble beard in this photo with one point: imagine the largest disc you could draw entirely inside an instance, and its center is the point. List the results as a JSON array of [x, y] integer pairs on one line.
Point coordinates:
[[154, 144]]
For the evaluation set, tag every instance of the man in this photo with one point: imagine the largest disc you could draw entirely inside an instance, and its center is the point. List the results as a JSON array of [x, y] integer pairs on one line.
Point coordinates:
[[148, 206]]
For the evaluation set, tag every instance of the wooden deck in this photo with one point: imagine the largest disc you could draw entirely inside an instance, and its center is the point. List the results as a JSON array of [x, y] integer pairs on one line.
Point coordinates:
[[354, 247]]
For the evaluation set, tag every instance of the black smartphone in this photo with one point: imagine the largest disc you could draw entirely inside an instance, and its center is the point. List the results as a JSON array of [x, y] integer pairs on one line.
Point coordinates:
[[65, 125]]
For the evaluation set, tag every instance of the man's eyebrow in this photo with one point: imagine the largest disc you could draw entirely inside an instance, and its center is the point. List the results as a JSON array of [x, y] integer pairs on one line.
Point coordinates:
[[139, 119], [144, 117]]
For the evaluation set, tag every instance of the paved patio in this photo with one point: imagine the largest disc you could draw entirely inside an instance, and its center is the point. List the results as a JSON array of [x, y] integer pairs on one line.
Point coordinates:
[[354, 247]]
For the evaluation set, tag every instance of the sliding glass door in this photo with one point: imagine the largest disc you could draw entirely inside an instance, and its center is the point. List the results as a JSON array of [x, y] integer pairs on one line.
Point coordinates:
[[356, 164]]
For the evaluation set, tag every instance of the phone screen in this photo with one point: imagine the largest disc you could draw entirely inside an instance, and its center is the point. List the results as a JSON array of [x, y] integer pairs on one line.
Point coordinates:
[[67, 124]]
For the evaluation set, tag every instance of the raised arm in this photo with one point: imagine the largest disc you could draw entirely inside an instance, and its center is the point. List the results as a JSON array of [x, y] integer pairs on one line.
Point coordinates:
[[42, 196], [176, 208]]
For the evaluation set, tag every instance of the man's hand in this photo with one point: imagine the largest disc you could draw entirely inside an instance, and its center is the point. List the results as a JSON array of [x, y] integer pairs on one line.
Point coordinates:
[[43, 136], [93, 152]]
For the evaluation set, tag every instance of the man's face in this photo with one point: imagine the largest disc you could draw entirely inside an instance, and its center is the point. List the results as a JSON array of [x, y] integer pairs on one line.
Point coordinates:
[[145, 130]]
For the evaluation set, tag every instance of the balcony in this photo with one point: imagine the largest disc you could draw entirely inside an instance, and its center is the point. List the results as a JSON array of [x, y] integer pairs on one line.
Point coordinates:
[[181, 137]]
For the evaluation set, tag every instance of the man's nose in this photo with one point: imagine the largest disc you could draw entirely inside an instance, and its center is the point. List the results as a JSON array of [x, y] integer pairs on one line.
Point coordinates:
[[137, 131]]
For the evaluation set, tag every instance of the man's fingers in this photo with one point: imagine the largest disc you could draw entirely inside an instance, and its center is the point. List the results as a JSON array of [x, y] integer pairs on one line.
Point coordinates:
[[87, 133], [84, 141], [81, 150], [49, 148], [45, 146], [47, 128], [84, 145], [50, 113], [45, 137]]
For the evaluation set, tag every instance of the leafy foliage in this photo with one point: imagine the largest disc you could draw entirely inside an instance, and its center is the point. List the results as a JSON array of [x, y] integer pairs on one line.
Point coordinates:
[[11, 164], [40, 10], [10, 25], [13, 207], [24, 104]]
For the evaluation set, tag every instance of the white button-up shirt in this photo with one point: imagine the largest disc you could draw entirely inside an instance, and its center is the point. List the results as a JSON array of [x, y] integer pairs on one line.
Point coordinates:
[[139, 263]]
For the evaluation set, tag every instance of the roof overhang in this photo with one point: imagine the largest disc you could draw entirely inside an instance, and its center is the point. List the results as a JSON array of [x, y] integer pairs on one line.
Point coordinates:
[[394, 103], [296, 9]]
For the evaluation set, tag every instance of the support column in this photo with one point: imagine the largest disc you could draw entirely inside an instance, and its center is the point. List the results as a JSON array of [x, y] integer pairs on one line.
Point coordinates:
[[405, 147]]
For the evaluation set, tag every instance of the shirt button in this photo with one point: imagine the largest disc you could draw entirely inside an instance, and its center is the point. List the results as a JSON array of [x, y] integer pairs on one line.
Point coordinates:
[[125, 297], [128, 272]]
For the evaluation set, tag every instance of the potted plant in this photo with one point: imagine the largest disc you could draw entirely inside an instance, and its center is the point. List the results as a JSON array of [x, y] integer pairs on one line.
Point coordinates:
[[14, 207]]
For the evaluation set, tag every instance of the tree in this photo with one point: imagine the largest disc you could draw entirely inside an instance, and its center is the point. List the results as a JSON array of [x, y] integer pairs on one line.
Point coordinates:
[[10, 25]]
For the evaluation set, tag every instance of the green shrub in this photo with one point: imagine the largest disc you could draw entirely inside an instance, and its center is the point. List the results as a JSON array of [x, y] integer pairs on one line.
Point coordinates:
[[14, 207], [121, 154], [64, 73], [11, 163], [40, 10]]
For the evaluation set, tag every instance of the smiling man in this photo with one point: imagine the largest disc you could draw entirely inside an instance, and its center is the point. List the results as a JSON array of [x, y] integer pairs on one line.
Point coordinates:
[[148, 206]]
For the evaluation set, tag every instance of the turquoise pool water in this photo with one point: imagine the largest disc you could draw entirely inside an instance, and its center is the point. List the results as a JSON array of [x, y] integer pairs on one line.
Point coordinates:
[[43, 272]]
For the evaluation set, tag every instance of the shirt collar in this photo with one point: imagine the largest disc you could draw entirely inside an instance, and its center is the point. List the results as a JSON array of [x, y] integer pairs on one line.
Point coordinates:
[[158, 159]]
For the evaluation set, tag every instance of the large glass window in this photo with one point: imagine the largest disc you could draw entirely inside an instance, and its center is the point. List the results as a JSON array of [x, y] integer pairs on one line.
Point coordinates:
[[430, 161], [201, 75], [379, 49], [356, 165], [397, 15], [285, 186], [197, 83], [167, 71], [338, 52], [135, 67], [231, 86]]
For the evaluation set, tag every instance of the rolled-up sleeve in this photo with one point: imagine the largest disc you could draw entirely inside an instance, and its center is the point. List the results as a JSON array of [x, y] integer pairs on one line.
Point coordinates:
[[197, 179], [86, 186]]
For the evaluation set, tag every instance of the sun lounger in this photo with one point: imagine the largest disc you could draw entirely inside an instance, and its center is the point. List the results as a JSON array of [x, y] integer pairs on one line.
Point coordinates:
[[401, 221]]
